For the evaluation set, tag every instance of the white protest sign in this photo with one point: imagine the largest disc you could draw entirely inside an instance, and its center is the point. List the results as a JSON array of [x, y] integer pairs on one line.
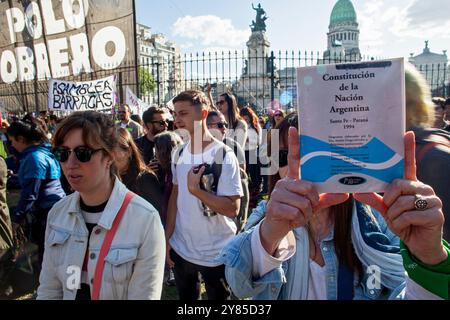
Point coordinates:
[[99, 95], [137, 105], [352, 124]]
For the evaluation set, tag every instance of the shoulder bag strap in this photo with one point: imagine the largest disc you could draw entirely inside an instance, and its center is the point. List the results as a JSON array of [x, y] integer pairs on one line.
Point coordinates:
[[98, 275]]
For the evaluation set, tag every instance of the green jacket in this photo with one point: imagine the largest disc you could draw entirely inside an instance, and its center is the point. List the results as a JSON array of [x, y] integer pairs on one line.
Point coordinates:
[[3, 152], [435, 279]]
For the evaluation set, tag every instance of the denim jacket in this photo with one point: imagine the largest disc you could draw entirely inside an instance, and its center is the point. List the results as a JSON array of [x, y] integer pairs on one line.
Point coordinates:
[[134, 265], [237, 257]]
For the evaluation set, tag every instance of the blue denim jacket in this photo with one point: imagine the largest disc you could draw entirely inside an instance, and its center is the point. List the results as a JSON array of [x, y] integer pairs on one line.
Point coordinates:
[[237, 257]]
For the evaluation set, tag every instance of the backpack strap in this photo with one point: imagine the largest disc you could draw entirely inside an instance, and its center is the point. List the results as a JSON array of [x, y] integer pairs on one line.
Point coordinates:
[[432, 141], [216, 165], [217, 168], [178, 155]]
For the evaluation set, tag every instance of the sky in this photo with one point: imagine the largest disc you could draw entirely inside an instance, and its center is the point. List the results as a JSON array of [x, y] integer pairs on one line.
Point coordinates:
[[388, 28]]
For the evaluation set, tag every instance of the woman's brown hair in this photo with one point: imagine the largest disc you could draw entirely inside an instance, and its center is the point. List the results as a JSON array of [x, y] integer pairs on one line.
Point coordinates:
[[233, 110], [165, 142], [254, 122], [342, 213], [125, 142], [272, 119], [98, 132]]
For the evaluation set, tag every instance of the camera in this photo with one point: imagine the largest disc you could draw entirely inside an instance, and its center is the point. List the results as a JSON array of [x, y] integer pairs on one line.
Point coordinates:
[[206, 183], [208, 169]]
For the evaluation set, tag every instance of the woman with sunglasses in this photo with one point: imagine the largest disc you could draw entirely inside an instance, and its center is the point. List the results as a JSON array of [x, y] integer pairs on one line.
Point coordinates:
[[237, 128], [102, 242], [278, 117], [39, 176], [304, 246], [135, 175]]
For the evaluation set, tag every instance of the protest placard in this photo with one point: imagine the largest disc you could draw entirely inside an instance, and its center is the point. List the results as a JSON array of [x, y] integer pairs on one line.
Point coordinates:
[[352, 123], [96, 95], [137, 105]]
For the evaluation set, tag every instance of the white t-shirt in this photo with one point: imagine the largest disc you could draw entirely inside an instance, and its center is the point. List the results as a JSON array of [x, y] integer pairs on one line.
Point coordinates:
[[253, 140], [197, 238], [317, 284]]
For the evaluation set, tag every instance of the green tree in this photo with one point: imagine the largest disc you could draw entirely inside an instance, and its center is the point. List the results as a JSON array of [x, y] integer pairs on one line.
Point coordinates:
[[146, 82]]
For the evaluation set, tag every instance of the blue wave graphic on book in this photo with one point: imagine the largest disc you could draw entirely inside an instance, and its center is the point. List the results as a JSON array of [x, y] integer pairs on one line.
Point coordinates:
[[375, 159]]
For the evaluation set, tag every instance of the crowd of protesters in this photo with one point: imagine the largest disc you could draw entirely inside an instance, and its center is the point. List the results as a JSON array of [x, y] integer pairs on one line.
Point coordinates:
[[180, 198]]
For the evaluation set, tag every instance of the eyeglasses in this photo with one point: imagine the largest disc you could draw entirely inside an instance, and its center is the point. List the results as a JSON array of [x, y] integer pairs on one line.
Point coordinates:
[[83, 154], [161, 122], [220, 102], [283, 158], [219, 125], [278, 115]]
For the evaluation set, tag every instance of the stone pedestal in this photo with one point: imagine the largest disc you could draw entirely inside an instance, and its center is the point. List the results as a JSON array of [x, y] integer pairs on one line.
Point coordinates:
[[255, 82]]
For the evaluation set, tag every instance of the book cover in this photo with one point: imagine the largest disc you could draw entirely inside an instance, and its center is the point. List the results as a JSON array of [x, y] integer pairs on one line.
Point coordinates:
[[351, 125]]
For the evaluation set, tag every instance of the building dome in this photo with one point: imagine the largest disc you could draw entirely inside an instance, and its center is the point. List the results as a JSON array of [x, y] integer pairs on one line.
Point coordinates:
[[343, 12]]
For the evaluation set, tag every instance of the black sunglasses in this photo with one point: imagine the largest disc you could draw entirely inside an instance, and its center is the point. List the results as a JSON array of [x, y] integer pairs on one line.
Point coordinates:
[[219, 125], [162, 122], [282, 158], [83, 154]]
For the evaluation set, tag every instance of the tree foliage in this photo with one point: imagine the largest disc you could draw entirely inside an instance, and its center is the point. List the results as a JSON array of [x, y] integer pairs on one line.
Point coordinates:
[[146, 82]]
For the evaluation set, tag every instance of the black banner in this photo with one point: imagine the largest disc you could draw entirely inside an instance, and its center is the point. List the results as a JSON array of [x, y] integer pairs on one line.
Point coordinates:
[[76, 40]]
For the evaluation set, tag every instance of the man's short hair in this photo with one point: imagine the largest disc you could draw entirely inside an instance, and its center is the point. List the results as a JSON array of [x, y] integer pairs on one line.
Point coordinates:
[[439, 101], [447, 102], [126, 106], [211, 115], [194, 97], [149, 114]]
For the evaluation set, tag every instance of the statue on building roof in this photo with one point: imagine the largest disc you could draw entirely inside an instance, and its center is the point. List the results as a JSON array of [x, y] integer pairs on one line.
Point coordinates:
[[426, 50], [260, 23]]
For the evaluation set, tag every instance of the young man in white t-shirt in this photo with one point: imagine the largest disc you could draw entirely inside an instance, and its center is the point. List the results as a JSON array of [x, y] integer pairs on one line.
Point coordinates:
[[200, 223]]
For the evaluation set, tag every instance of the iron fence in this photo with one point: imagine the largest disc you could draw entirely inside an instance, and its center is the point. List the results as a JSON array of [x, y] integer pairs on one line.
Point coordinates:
[[257, 80], [32, 96]]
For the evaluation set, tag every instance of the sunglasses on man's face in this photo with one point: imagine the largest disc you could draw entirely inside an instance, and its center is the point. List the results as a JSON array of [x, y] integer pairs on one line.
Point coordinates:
[[83, 154], [161, 122], [219, 125]]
